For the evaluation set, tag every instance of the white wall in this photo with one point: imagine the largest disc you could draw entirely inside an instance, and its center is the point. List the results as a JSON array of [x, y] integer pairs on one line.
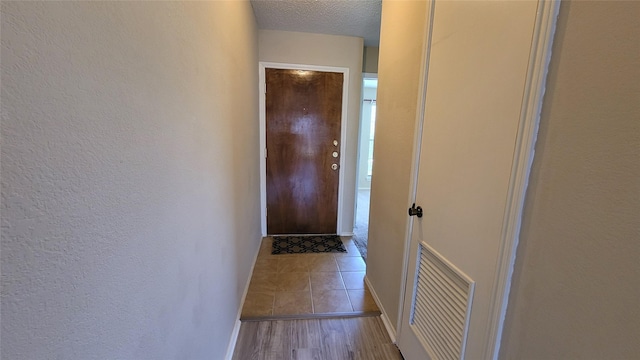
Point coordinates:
[[130, 189], [401, 43], [325, 50], [576, 285]]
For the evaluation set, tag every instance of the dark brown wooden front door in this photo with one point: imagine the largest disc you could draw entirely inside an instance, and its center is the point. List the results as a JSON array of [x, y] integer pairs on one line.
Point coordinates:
[[303, 114]]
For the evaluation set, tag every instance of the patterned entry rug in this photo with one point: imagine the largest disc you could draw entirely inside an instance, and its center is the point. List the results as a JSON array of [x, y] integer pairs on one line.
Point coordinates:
[[307, 244]]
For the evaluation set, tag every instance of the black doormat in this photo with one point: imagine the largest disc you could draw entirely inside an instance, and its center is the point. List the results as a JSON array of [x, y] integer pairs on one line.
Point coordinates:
[[307, 244]]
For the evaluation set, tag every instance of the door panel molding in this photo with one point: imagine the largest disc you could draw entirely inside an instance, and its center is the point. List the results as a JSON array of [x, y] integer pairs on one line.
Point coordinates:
[[263, 133]]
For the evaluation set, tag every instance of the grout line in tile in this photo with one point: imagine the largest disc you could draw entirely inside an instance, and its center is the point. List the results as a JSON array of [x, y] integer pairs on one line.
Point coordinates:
[[344, 283], [313, 308], [273, 303], [347, 291]]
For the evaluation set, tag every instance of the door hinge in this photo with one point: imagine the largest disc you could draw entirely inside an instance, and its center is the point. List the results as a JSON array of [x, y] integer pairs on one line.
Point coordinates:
[[265, 153], [265, 88]]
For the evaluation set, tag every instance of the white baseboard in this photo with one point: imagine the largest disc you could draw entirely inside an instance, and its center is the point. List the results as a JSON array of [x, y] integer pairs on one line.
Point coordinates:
[[234, 338], [385, 319], [346, 234], [236, 329]]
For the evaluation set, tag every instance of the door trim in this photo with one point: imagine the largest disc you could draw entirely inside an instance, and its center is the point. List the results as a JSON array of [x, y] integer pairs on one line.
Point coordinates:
[[415, 161], [263, 134], [524, 150], [535, 86]]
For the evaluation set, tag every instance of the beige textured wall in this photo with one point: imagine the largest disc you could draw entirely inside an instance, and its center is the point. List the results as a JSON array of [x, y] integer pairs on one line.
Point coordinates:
[[130, 166], [326, 50], [576, 286], [370, 59], [401, 45]]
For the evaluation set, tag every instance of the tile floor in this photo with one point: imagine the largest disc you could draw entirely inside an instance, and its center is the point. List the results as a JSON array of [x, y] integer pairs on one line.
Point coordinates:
[[307, 284]]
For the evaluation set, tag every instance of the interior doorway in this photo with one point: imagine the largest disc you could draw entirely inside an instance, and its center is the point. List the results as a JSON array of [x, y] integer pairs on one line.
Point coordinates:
[[365, 161]]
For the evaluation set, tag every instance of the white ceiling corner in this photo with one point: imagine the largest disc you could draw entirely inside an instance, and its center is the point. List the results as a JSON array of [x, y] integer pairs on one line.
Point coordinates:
[[360, 18]]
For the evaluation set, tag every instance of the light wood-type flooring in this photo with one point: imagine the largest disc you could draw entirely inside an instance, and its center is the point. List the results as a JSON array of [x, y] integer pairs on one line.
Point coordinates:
[[359, 338], [308, 285]]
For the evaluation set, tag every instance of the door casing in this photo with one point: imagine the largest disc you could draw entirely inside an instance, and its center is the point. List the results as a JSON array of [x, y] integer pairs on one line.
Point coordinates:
[[263, 135]]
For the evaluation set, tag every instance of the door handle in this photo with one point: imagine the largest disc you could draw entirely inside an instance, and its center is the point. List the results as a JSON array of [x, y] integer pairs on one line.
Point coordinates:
[[417, 211]]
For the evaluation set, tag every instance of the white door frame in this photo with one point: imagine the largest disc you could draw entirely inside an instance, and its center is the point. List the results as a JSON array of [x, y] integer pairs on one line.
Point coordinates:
[[263, 134], [524, 150], [359, 155]]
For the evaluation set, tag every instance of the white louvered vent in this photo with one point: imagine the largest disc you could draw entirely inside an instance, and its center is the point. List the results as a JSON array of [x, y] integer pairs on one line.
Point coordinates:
[[441, 305]]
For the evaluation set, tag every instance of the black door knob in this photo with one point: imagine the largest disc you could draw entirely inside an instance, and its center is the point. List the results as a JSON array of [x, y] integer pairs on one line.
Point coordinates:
[[417, 211]]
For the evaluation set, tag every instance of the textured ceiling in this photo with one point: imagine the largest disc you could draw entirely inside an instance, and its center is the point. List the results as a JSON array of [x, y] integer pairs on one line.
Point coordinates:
[[359, 18]]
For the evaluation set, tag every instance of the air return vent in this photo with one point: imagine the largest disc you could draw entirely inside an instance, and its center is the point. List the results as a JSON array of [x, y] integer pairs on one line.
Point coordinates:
[[441, 305]]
